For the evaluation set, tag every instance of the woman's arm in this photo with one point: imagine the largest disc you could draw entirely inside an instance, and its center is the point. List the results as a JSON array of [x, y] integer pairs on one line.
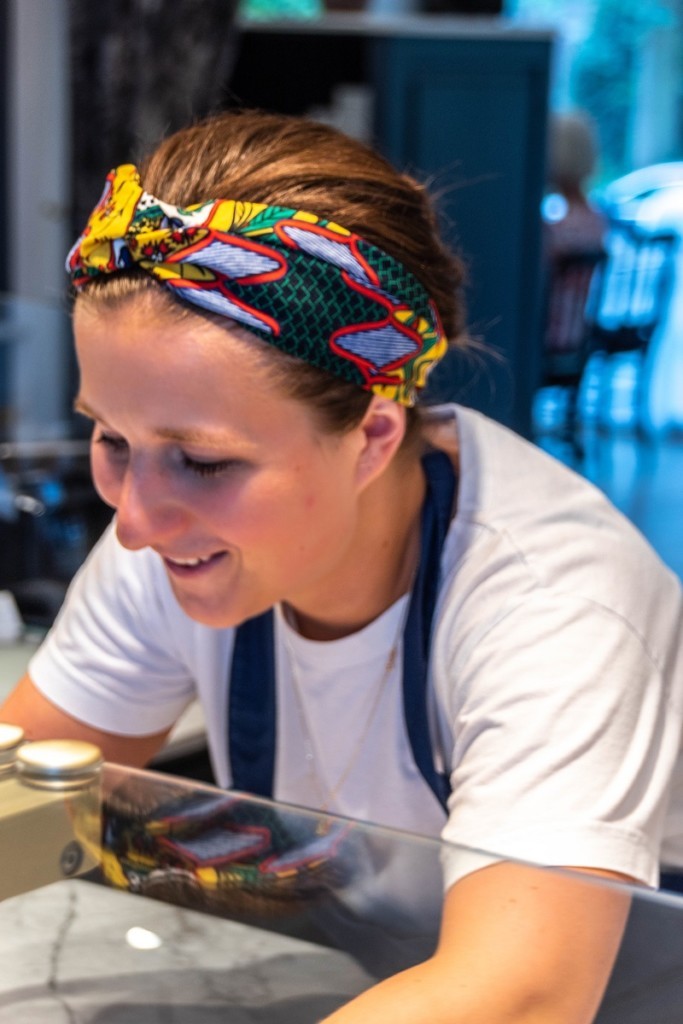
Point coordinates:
[[41, 719], [518, 945]]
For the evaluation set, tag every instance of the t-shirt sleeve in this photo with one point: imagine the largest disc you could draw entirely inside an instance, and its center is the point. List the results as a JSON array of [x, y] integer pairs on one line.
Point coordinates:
[[565, 734], [113, 658]]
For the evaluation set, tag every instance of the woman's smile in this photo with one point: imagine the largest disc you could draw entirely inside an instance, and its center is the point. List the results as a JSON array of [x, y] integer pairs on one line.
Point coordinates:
[[188, 568]]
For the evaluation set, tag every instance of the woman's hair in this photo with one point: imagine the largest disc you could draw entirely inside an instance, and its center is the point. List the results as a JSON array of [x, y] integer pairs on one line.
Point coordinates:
[[259, 157]]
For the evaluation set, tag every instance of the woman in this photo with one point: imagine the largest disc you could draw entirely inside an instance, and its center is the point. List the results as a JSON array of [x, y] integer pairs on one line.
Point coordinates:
[[251, 371]]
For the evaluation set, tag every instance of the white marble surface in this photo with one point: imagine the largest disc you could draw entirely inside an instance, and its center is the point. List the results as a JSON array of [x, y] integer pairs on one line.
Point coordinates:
[[65, 959]]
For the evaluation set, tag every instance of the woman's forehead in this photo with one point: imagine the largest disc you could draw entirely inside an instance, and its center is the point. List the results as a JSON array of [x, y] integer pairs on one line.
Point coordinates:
[[213, 373], [154, 316]]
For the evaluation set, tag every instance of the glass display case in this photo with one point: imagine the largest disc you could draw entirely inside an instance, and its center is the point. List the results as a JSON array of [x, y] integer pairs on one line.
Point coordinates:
[[200, 905]]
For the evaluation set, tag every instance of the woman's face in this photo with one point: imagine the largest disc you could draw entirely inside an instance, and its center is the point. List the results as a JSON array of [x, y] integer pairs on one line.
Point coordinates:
[[206, 462]]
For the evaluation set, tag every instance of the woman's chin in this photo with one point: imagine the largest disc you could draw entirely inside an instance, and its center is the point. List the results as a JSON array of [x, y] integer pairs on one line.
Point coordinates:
[[214, 611]]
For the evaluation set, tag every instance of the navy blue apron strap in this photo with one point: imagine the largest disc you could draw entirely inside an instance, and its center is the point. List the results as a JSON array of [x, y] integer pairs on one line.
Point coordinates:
[[436, 518], [251, 706], [671, 881]]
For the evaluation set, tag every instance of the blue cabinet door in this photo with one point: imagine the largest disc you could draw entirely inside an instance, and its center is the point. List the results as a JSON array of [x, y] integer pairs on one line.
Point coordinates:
[[469, 116]]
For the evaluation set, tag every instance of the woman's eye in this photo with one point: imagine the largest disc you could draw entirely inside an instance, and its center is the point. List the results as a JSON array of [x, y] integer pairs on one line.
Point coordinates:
[[115, 445], [207, 468]]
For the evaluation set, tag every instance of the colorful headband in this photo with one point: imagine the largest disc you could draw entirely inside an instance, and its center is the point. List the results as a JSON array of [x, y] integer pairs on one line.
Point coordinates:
[[310, 287]]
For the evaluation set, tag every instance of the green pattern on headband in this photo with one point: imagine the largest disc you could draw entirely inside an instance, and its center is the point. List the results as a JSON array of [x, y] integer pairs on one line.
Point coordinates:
[[307, 285]]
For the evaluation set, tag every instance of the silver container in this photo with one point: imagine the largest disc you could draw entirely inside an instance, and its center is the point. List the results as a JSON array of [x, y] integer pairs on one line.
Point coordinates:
[[50, 812]]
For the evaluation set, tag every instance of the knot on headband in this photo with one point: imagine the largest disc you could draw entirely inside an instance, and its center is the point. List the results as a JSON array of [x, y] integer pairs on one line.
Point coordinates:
[[305, 284]]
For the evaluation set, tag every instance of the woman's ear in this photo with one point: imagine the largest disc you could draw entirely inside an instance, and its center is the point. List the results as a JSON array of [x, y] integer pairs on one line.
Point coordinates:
[[382, 430]]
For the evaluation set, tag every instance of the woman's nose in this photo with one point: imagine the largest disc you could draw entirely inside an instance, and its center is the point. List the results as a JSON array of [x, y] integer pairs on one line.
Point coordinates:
[[147, 514]]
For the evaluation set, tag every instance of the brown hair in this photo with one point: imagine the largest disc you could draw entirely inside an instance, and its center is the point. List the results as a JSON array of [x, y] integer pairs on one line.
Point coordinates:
[[294, 162]]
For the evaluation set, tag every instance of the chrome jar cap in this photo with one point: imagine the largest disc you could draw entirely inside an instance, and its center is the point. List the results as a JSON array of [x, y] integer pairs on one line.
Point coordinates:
[[58, 764]]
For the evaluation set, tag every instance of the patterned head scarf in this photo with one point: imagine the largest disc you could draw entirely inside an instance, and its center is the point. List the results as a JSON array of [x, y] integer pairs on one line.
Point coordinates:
[[305, 284]]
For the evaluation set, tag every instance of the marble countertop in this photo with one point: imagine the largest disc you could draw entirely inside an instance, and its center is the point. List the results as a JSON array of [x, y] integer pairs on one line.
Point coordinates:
[[73, 953], [76, 952]]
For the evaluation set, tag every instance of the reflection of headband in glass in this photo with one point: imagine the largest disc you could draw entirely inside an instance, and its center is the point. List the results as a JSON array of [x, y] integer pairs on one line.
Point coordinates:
[[307, 285]]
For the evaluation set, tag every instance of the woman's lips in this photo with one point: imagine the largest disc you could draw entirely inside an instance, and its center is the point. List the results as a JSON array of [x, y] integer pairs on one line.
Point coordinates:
[[191, 567]]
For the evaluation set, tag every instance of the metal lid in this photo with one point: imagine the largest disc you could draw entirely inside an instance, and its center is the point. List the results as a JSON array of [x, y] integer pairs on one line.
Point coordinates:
[[11, 738], [58, 764]]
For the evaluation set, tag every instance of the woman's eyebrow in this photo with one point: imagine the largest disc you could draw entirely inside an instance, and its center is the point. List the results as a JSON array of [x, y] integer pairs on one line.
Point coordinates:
[[190, 435]]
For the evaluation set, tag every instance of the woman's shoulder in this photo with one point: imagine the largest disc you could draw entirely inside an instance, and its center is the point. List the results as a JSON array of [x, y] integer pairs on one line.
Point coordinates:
[[526, 523], [510, 484], [501, 475]]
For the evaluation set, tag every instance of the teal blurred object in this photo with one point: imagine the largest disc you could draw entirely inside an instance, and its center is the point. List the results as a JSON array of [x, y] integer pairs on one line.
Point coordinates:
[[263, 10]]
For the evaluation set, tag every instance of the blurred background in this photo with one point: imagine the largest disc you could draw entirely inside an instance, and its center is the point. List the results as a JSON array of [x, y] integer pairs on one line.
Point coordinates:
[[551, 132]]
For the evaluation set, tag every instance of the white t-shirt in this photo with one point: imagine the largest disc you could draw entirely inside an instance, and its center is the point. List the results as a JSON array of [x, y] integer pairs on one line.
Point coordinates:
[[555, 689]]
